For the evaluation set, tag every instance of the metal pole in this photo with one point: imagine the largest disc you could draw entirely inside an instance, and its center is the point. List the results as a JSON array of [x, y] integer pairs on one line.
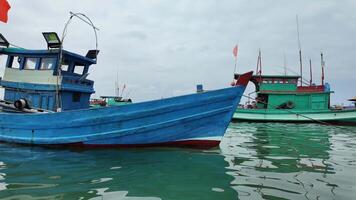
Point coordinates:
[[59, 65], [311, 72], [300, 54], [322, 68]]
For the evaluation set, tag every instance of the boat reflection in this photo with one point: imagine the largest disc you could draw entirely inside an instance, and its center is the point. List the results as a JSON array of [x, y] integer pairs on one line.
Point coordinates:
[[157, 173], [273, 160]]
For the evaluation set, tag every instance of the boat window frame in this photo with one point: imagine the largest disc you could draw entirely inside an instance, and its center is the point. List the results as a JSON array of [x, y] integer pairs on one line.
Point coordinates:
[[19, 60], [35, 67], [54, 61], [3, 64], [82, 69]]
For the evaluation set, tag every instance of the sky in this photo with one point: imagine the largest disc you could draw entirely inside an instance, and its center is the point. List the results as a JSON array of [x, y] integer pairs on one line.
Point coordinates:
[[161, 48]]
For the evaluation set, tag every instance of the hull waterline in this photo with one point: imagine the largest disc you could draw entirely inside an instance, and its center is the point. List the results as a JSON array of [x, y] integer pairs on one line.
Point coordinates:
[[335, 117]]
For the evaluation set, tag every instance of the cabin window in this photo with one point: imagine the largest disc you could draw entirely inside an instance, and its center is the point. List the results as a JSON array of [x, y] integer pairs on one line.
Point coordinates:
[[292, 81], [30, 63], [3, 61], [65, 68], [78, 69], [47, 63], [76, 97], [16, 62]]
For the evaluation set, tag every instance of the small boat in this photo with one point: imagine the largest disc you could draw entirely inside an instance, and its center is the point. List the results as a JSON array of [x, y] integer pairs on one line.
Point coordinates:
[[109, 101], [46, 102], [280, 99], [354, 101]]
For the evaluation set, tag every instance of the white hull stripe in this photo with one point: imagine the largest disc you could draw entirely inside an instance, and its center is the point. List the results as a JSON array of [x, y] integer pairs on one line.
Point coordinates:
[[214, 138]]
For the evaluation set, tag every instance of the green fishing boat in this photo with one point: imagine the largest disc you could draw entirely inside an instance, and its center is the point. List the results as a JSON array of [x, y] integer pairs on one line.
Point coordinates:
[[109, 101], [280, 99]]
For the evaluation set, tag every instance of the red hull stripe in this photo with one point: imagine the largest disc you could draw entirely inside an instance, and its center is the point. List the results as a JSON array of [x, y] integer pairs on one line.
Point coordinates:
[[195, 144]]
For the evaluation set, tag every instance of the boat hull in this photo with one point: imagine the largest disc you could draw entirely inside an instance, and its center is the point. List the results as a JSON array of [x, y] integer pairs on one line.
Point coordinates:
[[338, 117], [197, 120]]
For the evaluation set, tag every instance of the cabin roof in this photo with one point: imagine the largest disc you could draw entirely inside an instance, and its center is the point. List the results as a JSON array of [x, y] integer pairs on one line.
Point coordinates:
[[293, 92], [44, 53], [277, 76], [105, 97], [259, 77]]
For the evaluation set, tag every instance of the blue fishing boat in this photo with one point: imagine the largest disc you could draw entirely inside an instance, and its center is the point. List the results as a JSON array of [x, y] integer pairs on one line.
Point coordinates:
[[46, 102]]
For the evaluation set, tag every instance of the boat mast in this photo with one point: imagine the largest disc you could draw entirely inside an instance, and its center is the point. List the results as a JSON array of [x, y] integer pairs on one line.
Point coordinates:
[[311, 72], [259, 63], [300, 54], [117, 88], [322, 68]]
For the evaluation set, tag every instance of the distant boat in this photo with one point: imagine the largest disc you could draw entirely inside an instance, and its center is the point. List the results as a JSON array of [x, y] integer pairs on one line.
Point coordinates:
[[109, 101], [46, 102], [280, 99]]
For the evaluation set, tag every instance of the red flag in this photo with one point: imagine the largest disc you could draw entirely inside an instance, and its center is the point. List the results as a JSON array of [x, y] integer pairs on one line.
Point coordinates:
[[4, 8], [234, 51]]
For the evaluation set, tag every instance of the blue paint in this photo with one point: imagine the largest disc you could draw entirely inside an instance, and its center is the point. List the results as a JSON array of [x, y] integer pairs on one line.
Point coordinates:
[[186, 117], [70, 83], [201, 116]]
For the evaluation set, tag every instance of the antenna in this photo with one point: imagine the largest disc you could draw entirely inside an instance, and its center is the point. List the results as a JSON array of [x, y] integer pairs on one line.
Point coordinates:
[[311, 72], [259, 63], [300, 53], [117, 88], [322, 67]]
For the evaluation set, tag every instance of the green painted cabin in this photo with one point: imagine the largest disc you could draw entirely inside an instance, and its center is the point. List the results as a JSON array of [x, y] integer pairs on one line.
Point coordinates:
[[283, 92]]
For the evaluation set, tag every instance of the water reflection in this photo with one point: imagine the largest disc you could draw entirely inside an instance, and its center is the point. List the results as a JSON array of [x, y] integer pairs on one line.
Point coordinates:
[[255, 161], [40, 173], [288, 161]]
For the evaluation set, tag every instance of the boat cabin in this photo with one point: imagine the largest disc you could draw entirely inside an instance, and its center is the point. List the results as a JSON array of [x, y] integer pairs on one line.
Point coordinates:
[[35, 76], [283, 92]]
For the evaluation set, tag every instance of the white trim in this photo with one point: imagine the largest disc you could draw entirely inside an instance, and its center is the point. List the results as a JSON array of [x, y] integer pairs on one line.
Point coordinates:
[[30, 76], [213, 138]]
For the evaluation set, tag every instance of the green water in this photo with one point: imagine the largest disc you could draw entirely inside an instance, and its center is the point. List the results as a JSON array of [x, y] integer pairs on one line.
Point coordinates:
[[254, 161]]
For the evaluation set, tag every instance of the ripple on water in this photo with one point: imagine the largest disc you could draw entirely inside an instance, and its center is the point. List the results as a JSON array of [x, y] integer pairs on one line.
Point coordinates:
[[255, 161], [291, 161]]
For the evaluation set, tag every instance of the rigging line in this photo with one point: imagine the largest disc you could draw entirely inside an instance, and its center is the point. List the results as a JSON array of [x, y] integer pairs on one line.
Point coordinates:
[[16, 46], [304, 80], [295, 73], [298, 114], [90, 23]]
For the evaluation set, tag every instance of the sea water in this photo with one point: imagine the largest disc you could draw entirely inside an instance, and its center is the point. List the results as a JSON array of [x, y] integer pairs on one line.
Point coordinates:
[[254, 161]]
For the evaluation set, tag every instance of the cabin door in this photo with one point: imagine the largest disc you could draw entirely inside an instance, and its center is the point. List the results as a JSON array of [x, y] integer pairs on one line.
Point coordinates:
[[50, 103], [44, 102]]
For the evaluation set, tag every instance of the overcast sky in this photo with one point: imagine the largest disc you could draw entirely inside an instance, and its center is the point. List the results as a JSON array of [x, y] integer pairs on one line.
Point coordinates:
[[164, 48]]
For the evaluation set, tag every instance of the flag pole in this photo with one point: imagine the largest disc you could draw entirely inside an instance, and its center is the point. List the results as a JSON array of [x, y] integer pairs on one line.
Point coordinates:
[[311, 72], [234, 52], [235, 55], [235, 65]]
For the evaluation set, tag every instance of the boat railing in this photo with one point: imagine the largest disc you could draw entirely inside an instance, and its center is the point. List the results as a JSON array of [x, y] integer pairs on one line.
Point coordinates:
[[311, 88]]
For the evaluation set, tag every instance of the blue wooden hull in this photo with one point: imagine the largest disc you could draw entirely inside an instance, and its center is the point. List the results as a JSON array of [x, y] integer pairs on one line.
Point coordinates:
[[196, 120]]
